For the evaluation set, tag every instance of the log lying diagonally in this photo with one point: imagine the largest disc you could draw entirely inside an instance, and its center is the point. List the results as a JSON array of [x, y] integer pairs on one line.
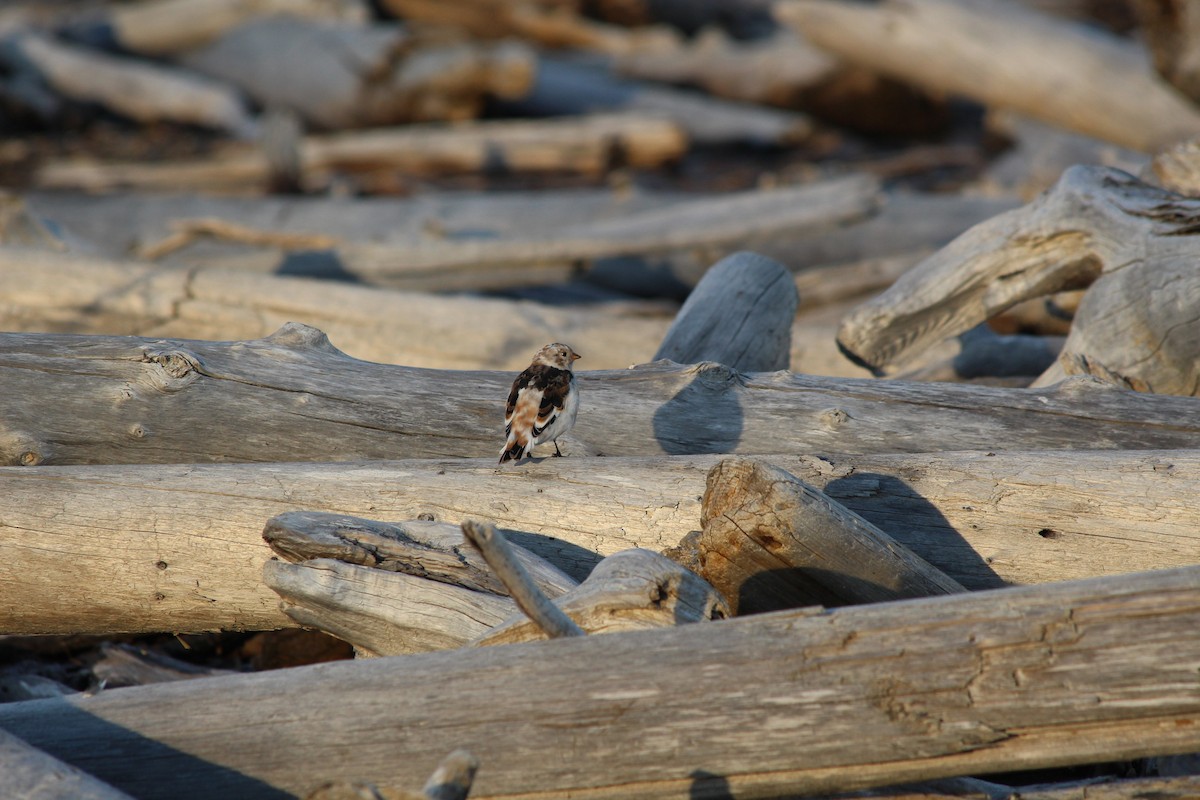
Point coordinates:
[[772, 704], [180, 547], [294, 397], [1135, 244]]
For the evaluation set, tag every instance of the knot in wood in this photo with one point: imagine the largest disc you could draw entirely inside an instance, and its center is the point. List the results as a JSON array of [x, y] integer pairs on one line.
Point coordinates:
[[833, 417], [176, 363], [715, 375]]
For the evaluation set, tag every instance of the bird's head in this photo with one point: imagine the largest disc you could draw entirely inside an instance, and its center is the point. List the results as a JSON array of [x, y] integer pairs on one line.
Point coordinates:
[[556, 355]]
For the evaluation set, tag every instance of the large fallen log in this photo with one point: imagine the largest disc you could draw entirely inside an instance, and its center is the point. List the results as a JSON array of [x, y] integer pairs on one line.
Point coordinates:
[[773, 704], [1004, 55], [294, 397], [1098, 228], [180, 547]]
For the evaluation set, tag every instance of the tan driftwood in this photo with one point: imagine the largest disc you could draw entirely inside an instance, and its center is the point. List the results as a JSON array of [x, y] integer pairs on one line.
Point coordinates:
[[1099, 227], [1006, 56], [769, 541], [586, 145], [1088, 789], [346, 75], [42, 291], [1177, 168], [31, 774], [774, 704], [1172, 33], [985, 519], [139, 90], [166, 27], [741, 313], [451, 780]]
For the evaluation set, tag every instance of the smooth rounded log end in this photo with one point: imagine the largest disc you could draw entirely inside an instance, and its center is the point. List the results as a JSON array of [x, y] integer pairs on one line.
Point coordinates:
[[298, 336]]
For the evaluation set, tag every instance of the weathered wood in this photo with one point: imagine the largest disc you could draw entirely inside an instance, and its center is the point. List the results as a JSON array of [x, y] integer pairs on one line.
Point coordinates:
[[451, 780], [421, 548], [27, 773], [176, 401], [124, 665], [501, 558], [984, 518], [774, 704], [1172, 34], [1099, 227], [628, 591], [770, 541], [1003, 55], [142, 91], [1088, 789], [49, 291], [740, 315], [993, 358], [338, 74], [587, 145]]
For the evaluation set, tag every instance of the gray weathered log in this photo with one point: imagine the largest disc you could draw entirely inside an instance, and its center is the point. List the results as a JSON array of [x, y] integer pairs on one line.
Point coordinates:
[[631, 590], [139, 90], [985, 518], [774, 704], [740, 315], [1099, 228], [294, 397], [503, 561], [451, 780], [1003, 55], [769, 541], [27, 773], [337, 74]]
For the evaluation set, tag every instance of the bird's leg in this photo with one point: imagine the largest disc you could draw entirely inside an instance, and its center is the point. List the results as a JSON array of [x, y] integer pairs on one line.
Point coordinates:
[[557, 452]]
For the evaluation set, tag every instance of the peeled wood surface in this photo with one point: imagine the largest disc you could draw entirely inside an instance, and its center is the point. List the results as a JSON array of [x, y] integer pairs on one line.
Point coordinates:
[[1134, 244], [294, 397], [180, 547], [1004, 55], [740, 313], [27, 773], [770, 541], [776, 703]]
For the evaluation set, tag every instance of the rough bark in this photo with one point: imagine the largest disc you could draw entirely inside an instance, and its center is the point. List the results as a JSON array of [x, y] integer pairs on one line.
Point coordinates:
[[770, 541], [1132, 244], [740, 313], [1061, 72], [774, 704], [587, 145], [180, 547], [294, 397], [27, 773]]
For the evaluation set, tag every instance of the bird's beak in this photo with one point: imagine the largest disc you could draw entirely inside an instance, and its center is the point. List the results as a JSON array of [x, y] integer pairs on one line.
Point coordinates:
[[575, 356]]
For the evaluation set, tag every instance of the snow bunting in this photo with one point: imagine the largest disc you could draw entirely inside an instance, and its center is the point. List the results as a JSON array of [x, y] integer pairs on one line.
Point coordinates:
[[542, 403]]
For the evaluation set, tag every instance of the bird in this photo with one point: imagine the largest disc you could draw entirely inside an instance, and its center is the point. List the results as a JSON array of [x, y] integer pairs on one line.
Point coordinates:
[[542, 404]]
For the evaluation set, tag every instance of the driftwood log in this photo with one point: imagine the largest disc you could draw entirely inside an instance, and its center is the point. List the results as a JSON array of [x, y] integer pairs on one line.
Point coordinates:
[[294, 397], [587, 145], [27, 773], [180, 547], [452, 780], [1006, 56], [1132, 244], [769, 541], [774, 704]]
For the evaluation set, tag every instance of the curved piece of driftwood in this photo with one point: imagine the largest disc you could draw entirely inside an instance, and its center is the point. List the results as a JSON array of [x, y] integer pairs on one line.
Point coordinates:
[[770, 541], [1005, 55], [1134, 244], [294, 397], [631, 590], [740, 315], [985, 518], [773, 704]]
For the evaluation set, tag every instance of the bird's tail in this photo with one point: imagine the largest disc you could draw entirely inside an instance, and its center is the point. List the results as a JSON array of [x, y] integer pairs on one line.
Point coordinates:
[[513, 451]]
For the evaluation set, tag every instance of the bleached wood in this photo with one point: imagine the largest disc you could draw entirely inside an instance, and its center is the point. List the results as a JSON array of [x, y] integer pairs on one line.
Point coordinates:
[[180, 547], [770, 541], [631, 590], [27, 773], [1135, 246], [1071, 75], [585, 145], [740, 315], [139, 90], [774, 704]]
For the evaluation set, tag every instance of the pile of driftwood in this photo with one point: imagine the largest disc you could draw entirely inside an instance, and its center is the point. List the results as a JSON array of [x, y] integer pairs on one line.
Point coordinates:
[[760, 570]]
